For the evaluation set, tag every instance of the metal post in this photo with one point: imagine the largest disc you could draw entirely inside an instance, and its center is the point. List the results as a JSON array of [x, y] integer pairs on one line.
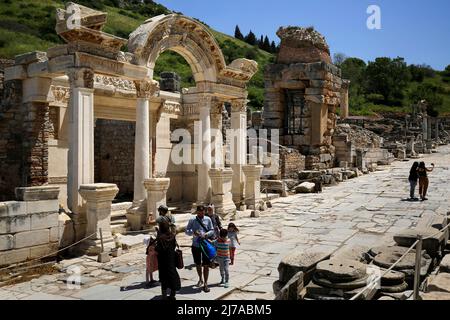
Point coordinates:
[[101, 240], [418, 267]]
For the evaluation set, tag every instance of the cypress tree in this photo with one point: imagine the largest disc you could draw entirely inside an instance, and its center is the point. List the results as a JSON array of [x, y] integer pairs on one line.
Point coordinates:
[[251, 38], [238, 34]]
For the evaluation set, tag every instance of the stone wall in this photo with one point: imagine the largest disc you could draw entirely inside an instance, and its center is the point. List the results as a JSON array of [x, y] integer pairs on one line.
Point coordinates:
[[291, 163], [30, 228], [114, 155]]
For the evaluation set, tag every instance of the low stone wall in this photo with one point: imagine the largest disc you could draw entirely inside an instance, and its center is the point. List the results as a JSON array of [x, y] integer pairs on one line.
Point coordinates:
[[291, 162], [378, 155], [30, 228]]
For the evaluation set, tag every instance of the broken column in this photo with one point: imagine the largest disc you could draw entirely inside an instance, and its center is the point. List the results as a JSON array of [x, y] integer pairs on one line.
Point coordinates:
[[253, 199], [99, 199]]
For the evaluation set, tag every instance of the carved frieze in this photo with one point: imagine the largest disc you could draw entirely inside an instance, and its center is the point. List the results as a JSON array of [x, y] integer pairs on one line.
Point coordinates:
[[61, 95], [118, 83], [239, 105]]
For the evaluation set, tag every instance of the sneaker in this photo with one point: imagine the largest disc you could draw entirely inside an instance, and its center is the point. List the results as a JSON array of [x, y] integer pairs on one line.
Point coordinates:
[[200, 283], [227, 285], [425, 199], [222, 282], [206, 289]]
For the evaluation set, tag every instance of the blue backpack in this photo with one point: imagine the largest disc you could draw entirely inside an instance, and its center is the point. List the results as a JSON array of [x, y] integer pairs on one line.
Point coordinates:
[[207, 247]]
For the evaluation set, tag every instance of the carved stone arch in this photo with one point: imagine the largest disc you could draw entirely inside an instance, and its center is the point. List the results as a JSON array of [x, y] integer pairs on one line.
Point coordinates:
[[183, 35]]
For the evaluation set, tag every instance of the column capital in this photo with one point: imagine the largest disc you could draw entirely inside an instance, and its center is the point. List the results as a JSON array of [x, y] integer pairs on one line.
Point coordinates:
[[239, 105], [217, 107], [81, 77], [146, 89]]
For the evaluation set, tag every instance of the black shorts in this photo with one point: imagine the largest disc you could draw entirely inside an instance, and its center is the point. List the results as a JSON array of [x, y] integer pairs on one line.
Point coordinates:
[[200, 257]]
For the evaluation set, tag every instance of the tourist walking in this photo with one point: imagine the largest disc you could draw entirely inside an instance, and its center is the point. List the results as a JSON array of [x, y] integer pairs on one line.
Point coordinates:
[[217, 224], [424, 182], [151, 262], [164, 215], [201, 228], [413, 180], [234, 240], [168, 275], [223, 257]]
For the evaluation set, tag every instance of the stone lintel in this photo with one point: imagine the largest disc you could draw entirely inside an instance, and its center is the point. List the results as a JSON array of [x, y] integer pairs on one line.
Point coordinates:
[[111, 67], [37, 193], [17, 72], [30, 57]]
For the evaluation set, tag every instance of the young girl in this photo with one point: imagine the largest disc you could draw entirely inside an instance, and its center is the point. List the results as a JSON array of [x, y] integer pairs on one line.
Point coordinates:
[[424, 182], [152, 262], [234, 240]]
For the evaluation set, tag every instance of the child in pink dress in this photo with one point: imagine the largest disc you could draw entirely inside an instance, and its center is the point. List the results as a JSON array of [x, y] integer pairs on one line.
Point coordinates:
[[151, 262]]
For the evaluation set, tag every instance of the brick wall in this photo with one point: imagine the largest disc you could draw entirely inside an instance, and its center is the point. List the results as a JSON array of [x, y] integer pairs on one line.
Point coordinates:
[[114, 155]]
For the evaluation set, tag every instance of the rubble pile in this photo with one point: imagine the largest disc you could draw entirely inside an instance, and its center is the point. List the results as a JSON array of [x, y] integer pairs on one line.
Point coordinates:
[[362, 138]]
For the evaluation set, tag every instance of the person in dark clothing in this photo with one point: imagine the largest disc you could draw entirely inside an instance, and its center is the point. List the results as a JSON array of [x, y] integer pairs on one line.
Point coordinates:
[[217, 224], [413, 180], [424, 182], [168, 275]]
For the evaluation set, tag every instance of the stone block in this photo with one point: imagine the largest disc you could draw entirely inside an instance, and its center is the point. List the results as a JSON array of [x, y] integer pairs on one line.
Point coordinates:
[[42, 206], [43, 250], [15, 73], [37, 193], [14, 256], [55, 234], [445, 264], [12, 209], [439, 283], [6, 242], [44, 220], [30, 57], [104, 257], [305, 187], [293, 289], [15, 224], [432, 245], [297, 261], [436, 296], [31, 238], [309, 174]]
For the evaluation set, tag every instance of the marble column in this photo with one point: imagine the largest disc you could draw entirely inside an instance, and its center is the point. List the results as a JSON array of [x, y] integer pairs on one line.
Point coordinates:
[[145, 89], [81, 135], [253, 199], [238, 147], [99, 199], [204, 182], [218, 160]]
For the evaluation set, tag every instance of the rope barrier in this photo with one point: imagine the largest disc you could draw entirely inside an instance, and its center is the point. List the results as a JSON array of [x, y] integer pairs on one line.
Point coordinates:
[[398, 261]]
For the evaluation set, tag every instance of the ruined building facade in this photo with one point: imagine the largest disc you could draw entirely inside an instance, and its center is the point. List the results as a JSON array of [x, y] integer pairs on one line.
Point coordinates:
[[302, 93]]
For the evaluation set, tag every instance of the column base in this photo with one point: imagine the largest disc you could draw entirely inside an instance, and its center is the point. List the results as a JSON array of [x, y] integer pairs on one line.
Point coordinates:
[[137, 216], [224, 207]]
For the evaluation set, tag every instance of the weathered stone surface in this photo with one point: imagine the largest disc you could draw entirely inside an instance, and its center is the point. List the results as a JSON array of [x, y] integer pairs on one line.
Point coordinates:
[[440, 283], [351, 285], [31, 238], [432, 243], [395, 288], [445, 264], [300, 261], [6, 242], [292, 290], [436, 296], [37, 193], [305, 187], [309, 174], [341, 270], [44, 220]]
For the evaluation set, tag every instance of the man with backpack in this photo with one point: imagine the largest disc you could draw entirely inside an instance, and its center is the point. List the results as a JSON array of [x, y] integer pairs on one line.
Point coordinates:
[[165, 216], [202, 229]]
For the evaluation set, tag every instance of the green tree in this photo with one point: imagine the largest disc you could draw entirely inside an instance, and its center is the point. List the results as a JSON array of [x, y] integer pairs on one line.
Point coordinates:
[[446, 74], [428, 92], [388, 77], [238, 34], [251, 38]]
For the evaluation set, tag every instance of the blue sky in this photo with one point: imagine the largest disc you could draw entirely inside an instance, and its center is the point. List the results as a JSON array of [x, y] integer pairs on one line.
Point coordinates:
[[417, 30]]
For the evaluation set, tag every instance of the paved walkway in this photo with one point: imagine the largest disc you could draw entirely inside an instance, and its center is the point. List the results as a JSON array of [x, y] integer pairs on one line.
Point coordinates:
[[352, 216]]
